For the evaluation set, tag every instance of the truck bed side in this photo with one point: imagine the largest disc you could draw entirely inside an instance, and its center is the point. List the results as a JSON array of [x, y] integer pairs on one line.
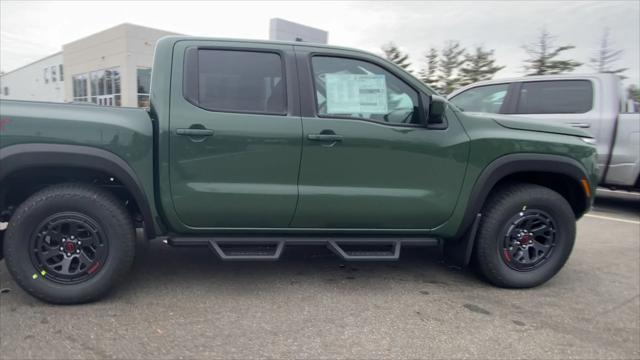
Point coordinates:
[[124, 134], [624, 166]]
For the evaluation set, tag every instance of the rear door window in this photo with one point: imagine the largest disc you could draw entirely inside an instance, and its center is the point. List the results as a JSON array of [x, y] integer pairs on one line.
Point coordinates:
[[235, 81], [555, 97]]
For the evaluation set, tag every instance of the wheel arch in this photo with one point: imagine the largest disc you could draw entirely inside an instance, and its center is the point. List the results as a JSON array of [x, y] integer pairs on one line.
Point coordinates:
[[560, 173], [15, 159], [534, 168]]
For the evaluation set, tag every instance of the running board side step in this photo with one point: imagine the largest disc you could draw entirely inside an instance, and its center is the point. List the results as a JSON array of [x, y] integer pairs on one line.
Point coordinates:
[[247, 251], [356, 250], [271, 247]]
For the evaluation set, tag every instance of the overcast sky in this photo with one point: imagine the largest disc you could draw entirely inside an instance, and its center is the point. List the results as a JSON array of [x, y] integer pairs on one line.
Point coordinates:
[[31, 30]]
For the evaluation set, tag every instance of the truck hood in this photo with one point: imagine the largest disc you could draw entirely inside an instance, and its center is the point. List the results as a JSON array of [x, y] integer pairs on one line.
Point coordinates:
[[523, 123]]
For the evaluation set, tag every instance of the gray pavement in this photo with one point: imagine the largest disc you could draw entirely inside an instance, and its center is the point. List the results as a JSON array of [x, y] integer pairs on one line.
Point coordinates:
[[184, 303]]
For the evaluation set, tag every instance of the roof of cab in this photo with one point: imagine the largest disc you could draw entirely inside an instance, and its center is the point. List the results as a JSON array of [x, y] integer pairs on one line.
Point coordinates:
[[176, 38]]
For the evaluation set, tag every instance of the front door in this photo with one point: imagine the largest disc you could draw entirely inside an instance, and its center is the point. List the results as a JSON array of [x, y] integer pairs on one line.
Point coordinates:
[[367, 160], [234, 138]]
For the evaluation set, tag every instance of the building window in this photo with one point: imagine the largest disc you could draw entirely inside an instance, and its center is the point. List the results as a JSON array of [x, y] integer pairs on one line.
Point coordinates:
[[105, 87], [144, 84], [5, 90], [80, 90], [61, 72], [54, 77], [46, 75]]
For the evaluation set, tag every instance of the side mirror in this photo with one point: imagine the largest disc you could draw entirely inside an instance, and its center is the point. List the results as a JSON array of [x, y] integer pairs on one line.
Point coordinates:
[[435, 113]]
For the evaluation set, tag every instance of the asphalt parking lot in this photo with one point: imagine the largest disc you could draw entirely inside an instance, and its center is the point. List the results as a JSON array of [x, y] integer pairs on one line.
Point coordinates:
[[184, 303]]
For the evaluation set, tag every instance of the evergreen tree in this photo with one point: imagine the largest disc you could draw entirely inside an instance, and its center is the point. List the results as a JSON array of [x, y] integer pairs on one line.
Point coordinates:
[[395, 55], [634, 93], [428, 74], [606, 56], [449, 66], [478, 66], [542, 57]]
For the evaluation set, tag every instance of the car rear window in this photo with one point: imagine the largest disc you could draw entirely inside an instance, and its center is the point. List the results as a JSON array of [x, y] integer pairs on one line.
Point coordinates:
[[555, 97]]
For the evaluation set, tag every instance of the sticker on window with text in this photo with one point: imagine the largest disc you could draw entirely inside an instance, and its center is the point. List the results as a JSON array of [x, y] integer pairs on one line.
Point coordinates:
[[356, 94]]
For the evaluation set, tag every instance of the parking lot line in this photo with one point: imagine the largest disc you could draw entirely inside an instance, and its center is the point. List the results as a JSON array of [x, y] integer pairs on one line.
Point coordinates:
[[613, 219]]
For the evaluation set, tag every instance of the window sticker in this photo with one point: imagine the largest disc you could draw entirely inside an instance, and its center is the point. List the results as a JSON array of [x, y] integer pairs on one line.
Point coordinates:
[[356, 94]]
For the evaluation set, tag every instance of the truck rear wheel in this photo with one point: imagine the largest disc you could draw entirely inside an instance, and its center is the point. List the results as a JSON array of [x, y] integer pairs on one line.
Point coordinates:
[[69, 243], [525, 237]]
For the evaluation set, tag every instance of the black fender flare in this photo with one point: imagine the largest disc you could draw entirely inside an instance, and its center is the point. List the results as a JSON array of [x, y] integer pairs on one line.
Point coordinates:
[[24, 156], [498, 169]]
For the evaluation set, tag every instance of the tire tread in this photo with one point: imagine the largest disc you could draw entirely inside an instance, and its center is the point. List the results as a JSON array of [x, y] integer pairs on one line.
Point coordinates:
[[71, 191]]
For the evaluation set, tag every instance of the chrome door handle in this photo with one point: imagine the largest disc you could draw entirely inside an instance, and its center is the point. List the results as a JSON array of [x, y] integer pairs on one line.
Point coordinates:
[[580, 125]]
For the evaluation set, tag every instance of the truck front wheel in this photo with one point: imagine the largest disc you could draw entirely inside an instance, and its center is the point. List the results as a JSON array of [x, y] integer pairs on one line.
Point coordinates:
[[69, 243], [525, 237]]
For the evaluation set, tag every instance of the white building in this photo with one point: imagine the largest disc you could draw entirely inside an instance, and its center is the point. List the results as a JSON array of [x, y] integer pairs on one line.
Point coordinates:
[[42, 80], [112, 67], [285, 30]]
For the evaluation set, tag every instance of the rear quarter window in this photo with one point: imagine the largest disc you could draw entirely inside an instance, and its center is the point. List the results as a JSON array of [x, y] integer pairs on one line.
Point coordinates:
[[555, 97]]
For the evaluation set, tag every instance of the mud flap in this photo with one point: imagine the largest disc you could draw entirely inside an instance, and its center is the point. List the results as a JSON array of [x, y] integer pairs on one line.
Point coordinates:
[[457, 252]]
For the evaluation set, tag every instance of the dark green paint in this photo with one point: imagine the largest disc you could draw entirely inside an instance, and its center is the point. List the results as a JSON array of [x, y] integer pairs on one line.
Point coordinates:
[[260, 173]]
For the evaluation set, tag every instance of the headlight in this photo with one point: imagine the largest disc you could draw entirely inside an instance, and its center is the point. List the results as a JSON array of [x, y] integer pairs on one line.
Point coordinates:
[[590, 141]]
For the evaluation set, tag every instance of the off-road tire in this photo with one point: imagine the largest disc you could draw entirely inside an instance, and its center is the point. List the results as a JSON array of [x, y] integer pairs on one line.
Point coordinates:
[[90, 201], [505, 203]]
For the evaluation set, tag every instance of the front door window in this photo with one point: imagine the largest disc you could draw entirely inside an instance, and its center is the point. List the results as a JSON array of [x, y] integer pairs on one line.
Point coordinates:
[[358, 89]]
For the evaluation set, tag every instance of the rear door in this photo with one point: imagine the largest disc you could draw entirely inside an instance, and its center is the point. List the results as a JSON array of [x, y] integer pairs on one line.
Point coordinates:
[[570, 102], [235, 135], [367, 161]]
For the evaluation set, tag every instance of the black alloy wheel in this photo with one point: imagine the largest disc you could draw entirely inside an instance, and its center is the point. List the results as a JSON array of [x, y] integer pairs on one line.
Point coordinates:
[[68, 248], [529, 240]]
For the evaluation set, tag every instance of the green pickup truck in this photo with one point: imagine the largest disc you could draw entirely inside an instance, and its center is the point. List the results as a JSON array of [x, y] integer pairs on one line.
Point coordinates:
[[251, 146]]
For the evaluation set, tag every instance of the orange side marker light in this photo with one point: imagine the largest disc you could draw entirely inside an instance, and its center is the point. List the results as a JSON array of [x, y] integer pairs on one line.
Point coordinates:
[[585, 187]]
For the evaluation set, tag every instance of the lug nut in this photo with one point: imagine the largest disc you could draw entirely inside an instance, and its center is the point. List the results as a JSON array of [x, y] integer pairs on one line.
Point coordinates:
[[72, 237], [61, 248], [64, 239], [78, 251], [79, 242]]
